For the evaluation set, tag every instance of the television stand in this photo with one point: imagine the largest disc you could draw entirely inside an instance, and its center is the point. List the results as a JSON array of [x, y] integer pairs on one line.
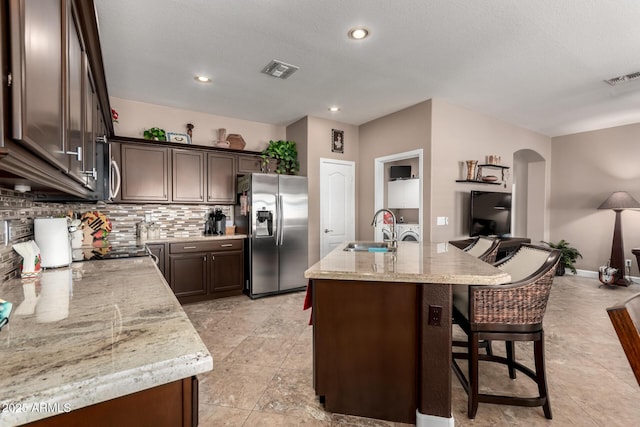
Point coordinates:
[[508, 245]]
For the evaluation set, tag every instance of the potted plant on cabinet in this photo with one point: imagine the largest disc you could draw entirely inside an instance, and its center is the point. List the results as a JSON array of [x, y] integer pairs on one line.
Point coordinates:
[[286, 155], [155, 134], [568, 256]]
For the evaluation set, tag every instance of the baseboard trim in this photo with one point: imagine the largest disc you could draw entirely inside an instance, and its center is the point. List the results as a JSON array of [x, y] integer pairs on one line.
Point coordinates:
[[594, 275]]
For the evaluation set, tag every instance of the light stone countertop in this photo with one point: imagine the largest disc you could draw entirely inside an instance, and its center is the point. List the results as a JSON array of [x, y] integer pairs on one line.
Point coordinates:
[[413, 262], [201, 238], [92, 332]]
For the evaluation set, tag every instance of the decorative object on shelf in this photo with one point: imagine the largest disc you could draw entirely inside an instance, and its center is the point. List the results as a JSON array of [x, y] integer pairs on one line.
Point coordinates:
[[337, 141], [285, 153], [568, 256], [181, 138], [114, 115], [471, 167], [618, 201], [490, 178], [236, 141], [190, 130], [223, 144], [222, 137], [493, 159], [155, 134]]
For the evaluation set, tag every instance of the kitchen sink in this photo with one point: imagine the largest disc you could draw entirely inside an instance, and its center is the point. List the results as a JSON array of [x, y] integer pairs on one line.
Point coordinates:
[[369, 247]]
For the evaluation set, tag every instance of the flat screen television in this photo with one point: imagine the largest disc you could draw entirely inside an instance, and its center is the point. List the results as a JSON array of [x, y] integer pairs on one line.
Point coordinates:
[[490, 214]]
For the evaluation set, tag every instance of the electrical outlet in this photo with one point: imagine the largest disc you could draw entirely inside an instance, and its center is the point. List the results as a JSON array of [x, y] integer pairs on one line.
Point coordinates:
[[435, 315], [627, 262]]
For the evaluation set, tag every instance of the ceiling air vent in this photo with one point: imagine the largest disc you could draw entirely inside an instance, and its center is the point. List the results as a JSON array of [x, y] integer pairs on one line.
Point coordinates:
[[279, 69], [623, 79]]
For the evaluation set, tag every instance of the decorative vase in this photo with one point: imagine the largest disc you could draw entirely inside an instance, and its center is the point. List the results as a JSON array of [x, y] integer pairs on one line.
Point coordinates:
[[471, 168]]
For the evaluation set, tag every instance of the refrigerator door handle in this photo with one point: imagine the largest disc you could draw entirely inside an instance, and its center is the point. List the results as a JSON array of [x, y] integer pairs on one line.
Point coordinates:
[[278, 213], [281, 219]]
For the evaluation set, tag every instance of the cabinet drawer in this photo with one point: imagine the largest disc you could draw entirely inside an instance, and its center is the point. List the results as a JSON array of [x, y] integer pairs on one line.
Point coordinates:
[[210, 246]]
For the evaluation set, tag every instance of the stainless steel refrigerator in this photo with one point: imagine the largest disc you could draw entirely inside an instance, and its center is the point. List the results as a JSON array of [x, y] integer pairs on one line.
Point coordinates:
[[272, 210]]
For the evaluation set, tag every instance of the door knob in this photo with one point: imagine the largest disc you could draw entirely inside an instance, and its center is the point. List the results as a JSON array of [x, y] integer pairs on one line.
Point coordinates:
[[326, 230]]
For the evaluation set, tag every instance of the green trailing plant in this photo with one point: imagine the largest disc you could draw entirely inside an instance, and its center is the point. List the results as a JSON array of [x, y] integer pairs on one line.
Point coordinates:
[[568, 256], [286, 155], [155, 134]]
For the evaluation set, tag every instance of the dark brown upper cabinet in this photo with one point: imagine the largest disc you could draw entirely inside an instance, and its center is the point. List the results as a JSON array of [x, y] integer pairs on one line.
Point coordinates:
[[75, 104], [145, 173], [221, 178], [37, 49], [188, 175], [50, 55]]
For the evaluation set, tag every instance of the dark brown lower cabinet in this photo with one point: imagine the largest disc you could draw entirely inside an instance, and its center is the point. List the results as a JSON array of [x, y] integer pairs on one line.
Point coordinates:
[[171, 405], [189, 274], [159, 250], [206, 269], [227, 272]]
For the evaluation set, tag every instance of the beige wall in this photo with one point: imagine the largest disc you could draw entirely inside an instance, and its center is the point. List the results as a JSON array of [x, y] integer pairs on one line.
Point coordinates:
[[459, 134], [317, 145], [587, 168], [402, 131], [135, 117]]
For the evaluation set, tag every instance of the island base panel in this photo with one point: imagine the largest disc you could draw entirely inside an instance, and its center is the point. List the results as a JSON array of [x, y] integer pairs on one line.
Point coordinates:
[[435, 351], [170, 405], [365, 348]]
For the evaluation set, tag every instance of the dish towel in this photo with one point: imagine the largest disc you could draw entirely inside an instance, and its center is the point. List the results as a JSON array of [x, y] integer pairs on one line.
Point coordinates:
[[5, 311], [308, 301]]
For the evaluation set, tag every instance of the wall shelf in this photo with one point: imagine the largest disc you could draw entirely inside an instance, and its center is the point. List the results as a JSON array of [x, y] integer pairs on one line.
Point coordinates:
[[478, 175], [474, 181]]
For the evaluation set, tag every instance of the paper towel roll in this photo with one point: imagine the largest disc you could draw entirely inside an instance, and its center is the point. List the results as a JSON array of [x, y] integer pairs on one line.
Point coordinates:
[[52, 237]]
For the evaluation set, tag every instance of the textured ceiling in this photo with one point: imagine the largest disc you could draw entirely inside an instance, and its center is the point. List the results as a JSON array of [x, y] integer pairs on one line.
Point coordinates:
[[537, 64]]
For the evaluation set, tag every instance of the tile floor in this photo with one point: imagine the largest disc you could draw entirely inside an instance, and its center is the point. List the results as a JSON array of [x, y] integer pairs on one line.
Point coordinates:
[[262, 359]]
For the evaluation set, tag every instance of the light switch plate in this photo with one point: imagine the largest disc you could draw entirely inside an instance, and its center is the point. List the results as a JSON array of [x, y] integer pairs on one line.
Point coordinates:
[[442, 220]]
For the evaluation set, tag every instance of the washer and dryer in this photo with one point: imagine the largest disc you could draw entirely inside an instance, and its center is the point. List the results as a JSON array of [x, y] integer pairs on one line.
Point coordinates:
[[406, 232]]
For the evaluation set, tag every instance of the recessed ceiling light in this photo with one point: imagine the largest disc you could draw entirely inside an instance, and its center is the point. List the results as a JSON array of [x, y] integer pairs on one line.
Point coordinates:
[[358, 33], [203, 79], [334, 109]]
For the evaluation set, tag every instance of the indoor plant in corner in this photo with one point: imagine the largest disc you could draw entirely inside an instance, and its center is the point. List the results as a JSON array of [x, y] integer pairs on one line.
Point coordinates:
[[286, 155], [568, 256]]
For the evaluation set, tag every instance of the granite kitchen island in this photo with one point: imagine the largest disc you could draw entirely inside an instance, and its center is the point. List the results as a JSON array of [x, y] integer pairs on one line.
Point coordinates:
[[377, 353], [103, 342]]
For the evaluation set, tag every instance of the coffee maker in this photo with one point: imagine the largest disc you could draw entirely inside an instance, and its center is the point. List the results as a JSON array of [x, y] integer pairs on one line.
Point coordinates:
[[216, 223]]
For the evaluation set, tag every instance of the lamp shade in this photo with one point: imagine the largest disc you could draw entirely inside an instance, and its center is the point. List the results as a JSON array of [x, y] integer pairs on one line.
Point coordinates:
[[620, 200]]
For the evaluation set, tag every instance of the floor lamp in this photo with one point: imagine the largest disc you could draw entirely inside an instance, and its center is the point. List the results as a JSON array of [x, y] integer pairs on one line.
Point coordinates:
[[619, 201]]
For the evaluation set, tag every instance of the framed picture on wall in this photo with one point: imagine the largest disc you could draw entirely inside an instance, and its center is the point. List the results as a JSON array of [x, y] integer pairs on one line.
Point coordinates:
[[337, 141]]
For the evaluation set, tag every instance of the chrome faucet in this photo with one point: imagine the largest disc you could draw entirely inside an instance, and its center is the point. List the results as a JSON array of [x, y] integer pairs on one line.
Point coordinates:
[[394, 236]]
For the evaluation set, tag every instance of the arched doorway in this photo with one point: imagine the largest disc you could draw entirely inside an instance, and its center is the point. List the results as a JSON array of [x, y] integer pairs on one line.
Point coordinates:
[[529, 189]]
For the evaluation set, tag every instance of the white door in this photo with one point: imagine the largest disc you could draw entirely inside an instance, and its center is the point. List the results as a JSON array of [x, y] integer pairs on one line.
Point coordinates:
[[337, 203]]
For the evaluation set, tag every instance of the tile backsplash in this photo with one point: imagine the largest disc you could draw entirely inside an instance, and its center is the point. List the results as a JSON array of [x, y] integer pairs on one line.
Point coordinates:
[[19, 209]]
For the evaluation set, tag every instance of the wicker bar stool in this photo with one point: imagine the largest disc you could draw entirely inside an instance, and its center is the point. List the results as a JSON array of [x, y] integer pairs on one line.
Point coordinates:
[[509, 312], [484, 248]]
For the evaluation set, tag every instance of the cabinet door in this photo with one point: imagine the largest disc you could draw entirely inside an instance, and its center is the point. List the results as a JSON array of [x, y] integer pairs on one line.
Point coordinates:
[[37, 77], [395, 196], [227, 271], [411, 193], [221, 178], [75, 104], [188, 274], [144, 173], [159, 251], [90, 128], [188, 175]]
